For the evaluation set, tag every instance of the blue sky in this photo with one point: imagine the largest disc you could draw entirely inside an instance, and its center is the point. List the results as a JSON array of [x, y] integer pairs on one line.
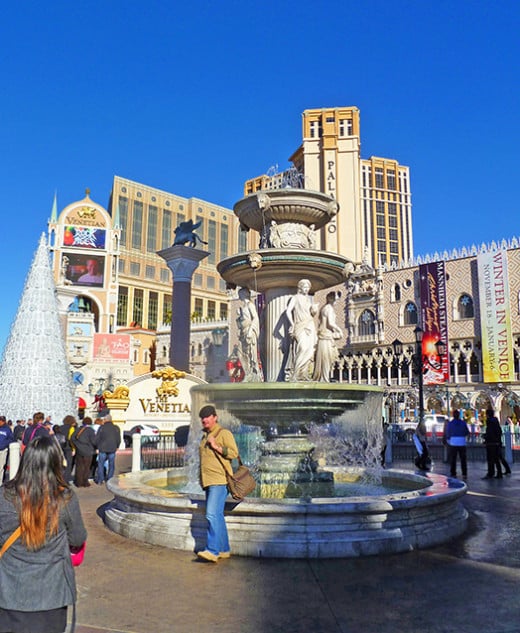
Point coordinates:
[[196, 97]]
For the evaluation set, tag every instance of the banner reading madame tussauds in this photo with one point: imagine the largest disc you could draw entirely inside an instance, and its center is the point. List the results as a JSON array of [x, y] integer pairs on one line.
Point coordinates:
[[434, 319], [495, 317]]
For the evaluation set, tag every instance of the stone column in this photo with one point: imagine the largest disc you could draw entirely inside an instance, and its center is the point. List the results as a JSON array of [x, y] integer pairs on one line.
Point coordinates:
[[182, 261], [277, 340]]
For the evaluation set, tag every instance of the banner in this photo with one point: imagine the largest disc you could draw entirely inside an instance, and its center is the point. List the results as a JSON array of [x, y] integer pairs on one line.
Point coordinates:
[[112, 347], [434, 319], [495, 317]]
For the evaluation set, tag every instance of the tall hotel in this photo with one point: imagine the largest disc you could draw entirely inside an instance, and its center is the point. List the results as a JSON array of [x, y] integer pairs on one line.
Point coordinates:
[[375, 217], [148, 217]]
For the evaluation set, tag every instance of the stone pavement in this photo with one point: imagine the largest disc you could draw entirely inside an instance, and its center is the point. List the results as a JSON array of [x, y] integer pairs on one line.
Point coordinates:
[[471, 585]]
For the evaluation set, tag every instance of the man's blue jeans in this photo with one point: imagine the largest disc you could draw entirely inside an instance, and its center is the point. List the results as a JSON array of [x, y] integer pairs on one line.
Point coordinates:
[[217, 531], [102, 458]]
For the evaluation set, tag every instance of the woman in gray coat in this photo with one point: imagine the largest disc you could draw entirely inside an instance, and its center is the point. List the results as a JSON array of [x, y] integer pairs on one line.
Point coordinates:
[[36, 575]]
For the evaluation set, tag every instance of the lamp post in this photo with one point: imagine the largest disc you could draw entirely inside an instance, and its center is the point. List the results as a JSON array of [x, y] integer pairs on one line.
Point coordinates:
[[417, 360]]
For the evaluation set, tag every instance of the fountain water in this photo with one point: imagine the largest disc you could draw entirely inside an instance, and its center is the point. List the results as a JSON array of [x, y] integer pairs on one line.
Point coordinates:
[[35, 374], [300, 465]]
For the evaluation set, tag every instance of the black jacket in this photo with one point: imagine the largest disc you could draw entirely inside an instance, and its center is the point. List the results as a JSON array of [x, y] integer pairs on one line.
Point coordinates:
[[108, 438]]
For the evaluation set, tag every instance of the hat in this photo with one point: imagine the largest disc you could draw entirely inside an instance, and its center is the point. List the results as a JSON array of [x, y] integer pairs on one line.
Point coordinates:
[[206, 411]]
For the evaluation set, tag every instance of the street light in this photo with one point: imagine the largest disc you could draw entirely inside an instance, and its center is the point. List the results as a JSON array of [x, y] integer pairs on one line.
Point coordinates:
[[417, 364]]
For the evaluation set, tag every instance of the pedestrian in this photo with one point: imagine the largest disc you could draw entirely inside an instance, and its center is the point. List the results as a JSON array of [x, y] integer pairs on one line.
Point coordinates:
[[456, 433], [493, 442], [216, 450], [84, 441], [6, 437], [423, 460], [67, 428], [34, 430], [108, 439], [36, 575], [19, 430]]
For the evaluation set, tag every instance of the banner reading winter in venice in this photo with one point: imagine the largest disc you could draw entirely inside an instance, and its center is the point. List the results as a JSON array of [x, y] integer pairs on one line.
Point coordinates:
[[495, 317], [434, 319]]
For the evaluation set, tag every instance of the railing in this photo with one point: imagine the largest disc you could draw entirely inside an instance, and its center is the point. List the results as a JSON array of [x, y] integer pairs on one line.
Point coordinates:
[[164, 453]]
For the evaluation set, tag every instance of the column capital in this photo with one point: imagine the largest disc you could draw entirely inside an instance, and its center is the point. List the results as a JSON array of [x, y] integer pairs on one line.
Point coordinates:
[[182, 261]]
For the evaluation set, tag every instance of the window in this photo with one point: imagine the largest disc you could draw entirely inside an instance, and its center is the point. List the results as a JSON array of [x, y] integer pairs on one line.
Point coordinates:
[[167, 308], [197, 280], [121, 266], [396, 293], [165, 275], [199, 307], [223, 312], [151, 235], [410, 314], [149, 272], [137, 227], [167, 235], [153, 305], [465, 307], [210, 281], [212, 313], [122, 306], [224, 241], [123, 218], [242, 241], [379, 178], [390, 179], [212, 241], [135, 269], [367, 323], [345, 127], [137, 311]]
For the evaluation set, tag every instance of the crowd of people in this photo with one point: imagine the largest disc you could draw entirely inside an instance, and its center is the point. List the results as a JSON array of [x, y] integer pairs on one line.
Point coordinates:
[[88, 448]]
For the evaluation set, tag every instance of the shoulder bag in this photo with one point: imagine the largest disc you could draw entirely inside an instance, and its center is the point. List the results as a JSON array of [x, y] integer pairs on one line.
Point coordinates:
[[241, 482]]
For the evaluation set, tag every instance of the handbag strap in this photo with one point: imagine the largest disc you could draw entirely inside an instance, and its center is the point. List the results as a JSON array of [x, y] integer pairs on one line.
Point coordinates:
[[10, 541], [220, 456]]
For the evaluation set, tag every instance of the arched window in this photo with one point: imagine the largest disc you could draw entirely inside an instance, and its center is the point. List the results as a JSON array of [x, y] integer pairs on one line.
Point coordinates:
[[465, 307], [396, 293], [410, 314], [367, 323]]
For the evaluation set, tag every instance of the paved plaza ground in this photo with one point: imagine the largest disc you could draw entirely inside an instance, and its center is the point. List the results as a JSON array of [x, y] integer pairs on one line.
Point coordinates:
[[471, 585]]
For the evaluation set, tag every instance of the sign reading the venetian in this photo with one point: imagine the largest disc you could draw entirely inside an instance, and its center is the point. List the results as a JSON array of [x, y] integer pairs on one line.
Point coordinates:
[[162, 405], [85, 215], [169, 387], [495, 317]]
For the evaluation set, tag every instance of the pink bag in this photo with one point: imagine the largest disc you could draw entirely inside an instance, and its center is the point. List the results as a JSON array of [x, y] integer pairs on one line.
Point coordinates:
[[77, 554]]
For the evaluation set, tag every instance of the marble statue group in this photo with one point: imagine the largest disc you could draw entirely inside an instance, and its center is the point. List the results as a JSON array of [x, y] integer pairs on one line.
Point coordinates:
[[312, 350]]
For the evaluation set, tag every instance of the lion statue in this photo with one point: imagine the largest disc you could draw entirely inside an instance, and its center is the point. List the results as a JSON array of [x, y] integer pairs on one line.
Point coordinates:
[[185, 232]]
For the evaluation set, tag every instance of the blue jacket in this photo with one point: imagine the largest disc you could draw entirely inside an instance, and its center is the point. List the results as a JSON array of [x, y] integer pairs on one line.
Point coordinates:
[[6, 437], [456, 432]]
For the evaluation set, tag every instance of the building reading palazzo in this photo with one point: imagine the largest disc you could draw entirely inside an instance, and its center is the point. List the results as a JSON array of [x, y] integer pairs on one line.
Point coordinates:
[[373, 194]]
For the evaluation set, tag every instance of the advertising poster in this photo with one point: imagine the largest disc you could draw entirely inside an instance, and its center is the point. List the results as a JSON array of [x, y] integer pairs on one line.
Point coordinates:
[[84, 237], [83, 270], [434, 319], [112, 347], [495, 317]]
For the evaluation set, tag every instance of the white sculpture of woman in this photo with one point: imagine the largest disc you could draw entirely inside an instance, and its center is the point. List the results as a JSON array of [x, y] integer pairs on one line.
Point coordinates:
[[328, 333], [300, 313], [248, 331]]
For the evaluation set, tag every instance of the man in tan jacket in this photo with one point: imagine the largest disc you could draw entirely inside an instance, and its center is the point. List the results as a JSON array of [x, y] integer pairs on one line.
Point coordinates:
[[217, 449]]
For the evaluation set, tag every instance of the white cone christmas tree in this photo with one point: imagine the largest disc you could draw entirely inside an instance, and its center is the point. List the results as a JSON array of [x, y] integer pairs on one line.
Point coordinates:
[[35, 374]]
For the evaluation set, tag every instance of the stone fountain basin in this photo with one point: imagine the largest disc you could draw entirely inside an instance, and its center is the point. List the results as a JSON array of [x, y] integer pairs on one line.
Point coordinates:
[[430, 514]]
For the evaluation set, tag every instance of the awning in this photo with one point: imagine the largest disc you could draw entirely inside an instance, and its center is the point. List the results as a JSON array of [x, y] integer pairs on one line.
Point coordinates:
[[81, 403]]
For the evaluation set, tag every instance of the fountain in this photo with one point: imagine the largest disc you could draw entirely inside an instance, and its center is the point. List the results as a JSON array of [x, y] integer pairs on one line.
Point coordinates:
[[303, 508]]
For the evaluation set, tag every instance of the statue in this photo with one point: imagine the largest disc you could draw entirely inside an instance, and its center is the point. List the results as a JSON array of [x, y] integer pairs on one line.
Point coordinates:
[[300, 313], [248, 331], [328, 333], [185, 232]]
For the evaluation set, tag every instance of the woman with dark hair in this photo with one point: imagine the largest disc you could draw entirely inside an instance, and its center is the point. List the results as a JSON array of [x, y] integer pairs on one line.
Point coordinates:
[[36, 575]]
